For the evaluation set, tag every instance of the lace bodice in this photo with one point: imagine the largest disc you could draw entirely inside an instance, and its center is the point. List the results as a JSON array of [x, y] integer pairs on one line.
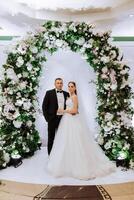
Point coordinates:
[[69, 103]]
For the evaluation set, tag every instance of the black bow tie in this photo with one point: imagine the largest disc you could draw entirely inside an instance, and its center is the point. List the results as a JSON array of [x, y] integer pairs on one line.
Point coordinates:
[[59, 91]]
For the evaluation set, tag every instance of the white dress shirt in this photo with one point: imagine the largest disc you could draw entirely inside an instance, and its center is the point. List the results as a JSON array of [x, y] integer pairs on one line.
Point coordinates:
[[61, 101]]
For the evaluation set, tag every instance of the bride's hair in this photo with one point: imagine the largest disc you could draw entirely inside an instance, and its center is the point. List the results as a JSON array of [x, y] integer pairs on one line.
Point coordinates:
[[74, 85]]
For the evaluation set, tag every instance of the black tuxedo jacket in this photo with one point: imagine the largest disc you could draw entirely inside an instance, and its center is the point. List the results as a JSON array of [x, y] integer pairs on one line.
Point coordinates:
[[50, 104]]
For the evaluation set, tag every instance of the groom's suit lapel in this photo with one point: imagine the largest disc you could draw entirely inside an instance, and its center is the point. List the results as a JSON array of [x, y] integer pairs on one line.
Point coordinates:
[[55, 97]]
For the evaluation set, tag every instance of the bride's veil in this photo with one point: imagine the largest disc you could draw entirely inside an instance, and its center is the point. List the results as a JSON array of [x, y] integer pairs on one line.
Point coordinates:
[[83, 112]]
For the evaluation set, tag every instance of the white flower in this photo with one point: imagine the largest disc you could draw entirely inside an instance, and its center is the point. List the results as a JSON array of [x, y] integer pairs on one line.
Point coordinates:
[[22, 49], [107, 145], [27, 105], [100, 140], [25, 74], [124, 71], [109, 124], [10, 111], [59, 43], [95, 61], [20, 61], [87, 45], [81, 41], [17, 124], [27, 149], [11, 74], [29, 66], [126, 146], [10, 91], [23, 85], [117, 131], [131, 164], [107, 129], [104, 76], [84, 56], [4, 164], [105, 59], [34, 49], [108, 116], [113, 86], [19, 75], [124, 83], [6, 157], [29, 123], [106, 86], [82, 50], [126, 119], [19, 102], [104, 70], [113, 54]]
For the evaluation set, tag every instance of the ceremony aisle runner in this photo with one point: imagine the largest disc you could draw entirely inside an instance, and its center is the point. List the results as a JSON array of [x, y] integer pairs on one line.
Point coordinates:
[[10, 190]]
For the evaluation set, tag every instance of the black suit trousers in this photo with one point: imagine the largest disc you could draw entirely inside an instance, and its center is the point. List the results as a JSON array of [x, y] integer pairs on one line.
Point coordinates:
[[52, 127]]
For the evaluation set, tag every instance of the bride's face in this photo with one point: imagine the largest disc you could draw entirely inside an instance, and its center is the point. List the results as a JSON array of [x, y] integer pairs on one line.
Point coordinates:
[[71, 88]]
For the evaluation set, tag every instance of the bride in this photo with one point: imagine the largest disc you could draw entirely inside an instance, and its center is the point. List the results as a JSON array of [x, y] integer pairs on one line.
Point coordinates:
[[75, 153]]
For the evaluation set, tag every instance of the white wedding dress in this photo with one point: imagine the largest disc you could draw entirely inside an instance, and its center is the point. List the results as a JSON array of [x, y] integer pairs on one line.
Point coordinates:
[[75, 153]]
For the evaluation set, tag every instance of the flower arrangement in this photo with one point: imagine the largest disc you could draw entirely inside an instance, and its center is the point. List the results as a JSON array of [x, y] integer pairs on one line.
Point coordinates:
[[18, 88]]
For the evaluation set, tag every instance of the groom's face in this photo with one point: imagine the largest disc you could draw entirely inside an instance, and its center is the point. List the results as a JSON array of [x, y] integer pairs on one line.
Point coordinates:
[[59, 84]]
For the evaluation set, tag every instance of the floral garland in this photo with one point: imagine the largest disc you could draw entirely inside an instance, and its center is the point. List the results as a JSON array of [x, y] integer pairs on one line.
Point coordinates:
[[18, 101]]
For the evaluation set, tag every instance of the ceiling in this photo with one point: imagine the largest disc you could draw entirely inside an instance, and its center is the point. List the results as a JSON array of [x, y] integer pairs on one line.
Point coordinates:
[[19, 16]]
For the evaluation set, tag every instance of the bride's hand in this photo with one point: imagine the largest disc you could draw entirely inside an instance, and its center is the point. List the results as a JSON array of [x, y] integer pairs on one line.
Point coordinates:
[[68, 111]]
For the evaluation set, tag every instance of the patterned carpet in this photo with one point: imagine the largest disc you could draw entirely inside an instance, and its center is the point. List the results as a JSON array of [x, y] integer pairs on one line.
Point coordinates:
[[23, 191]]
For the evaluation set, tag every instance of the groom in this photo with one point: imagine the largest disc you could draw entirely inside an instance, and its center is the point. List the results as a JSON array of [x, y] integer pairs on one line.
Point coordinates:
[[54, 99]]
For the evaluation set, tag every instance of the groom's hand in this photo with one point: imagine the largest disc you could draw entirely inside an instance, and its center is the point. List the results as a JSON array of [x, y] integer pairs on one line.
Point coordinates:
[[60, 111]]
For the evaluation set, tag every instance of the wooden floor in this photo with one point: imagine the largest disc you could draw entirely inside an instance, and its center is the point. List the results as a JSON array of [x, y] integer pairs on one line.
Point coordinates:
[[23, 191]]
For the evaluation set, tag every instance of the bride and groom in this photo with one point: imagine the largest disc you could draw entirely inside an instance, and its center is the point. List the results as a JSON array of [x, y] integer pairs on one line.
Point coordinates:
[[71, 148]]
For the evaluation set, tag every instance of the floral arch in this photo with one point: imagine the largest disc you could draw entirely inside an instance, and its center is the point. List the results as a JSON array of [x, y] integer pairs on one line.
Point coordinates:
[[18, 101]]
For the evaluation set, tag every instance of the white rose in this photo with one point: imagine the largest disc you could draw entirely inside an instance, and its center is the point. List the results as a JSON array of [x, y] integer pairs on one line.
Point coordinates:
[[104, 76], [22, 49], [113, 87], [27, 105], [22, 85], [87, 45], [29, 66], [17, 124], [19, 102], [11, 74], [81, 41], [20, 61], [19, 75], [59, 43], [104, 70], [29, 123], [34, 49], [108, 116], [105, 59]]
